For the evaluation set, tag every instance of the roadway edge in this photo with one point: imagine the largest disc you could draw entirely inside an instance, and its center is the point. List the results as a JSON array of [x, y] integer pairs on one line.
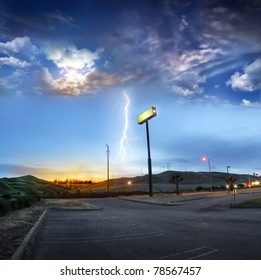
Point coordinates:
[[153, 203], [18, 255]]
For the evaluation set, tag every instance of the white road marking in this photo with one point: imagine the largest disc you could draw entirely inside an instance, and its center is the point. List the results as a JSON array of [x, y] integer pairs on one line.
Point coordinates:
[[210, 252], [102, 238], [197, 250]]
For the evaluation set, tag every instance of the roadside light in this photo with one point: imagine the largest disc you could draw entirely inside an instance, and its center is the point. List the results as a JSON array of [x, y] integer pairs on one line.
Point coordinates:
[[227, 186], [129, 183], [204, 158], [234, 194]]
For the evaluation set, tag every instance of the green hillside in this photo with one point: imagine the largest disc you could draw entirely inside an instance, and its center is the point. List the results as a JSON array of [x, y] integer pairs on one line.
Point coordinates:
[[5, 188], [29, 185]]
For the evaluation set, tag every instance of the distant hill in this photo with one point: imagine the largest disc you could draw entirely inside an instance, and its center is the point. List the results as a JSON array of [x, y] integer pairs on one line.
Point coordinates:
[[161, 182], [29, 185]]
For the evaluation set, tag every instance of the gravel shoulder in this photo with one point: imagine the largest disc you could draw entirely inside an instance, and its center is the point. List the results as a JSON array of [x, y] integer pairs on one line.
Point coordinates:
[[15, 225], [171, 198]]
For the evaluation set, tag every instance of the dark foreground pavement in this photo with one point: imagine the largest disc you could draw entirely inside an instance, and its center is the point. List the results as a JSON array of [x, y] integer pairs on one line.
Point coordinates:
[[203, 229]]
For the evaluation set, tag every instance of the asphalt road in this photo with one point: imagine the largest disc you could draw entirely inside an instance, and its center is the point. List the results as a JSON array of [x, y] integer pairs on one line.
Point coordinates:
[[205, 229]]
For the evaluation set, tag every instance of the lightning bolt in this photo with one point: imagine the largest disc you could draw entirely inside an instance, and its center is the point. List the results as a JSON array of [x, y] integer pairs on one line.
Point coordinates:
[[124, 137]]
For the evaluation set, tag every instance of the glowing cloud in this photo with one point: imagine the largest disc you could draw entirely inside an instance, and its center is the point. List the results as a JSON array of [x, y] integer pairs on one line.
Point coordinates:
[[72, 58], [78, 73], [74, 65], [76, 83]]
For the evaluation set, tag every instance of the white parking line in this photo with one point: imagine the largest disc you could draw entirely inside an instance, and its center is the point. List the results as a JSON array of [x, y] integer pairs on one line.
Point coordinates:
[[102, 238], [182, 255], [210, 252], [71, 227]]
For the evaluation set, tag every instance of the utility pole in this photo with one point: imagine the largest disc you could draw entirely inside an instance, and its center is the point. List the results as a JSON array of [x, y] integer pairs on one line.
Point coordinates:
[[227, 169], [108, 169]]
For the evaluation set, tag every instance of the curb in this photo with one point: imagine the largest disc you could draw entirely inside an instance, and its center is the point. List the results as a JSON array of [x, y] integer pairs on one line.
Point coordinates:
[[154, 203], [18, 255], [75, 209]]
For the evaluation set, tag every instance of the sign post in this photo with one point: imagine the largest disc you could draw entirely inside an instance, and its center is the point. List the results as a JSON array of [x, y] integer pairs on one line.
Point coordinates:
[[144, 118]]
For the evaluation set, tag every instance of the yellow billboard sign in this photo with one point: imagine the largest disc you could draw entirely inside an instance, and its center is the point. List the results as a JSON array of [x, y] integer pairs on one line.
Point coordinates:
[[147, 115]]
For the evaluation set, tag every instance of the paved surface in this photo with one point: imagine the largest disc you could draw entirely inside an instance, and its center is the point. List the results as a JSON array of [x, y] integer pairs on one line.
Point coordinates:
[[199, 229]]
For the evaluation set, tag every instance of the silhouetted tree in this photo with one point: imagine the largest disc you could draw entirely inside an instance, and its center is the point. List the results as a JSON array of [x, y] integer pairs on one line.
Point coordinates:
[[176, 179], [7, 196], [231, 180]]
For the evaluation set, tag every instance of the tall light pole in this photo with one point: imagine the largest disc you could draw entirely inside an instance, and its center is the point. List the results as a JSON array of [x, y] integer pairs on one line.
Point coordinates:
[[209, 169], [108, 169], [144, 118], [227, 169]]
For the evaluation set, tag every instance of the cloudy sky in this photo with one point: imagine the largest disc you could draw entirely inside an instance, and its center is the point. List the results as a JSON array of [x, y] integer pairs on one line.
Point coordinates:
[[74, 76]]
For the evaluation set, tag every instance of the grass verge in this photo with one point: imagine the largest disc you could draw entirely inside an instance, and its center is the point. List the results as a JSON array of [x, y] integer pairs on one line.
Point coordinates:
[[254, 203]]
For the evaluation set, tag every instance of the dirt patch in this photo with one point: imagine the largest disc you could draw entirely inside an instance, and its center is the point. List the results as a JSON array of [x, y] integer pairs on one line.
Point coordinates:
[[14, 226], [162, 198], [169, 199]]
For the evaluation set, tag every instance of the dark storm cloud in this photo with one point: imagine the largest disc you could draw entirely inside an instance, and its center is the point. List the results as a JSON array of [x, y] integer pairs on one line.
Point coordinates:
[[177, 42], [231, 22], [36, 19]]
